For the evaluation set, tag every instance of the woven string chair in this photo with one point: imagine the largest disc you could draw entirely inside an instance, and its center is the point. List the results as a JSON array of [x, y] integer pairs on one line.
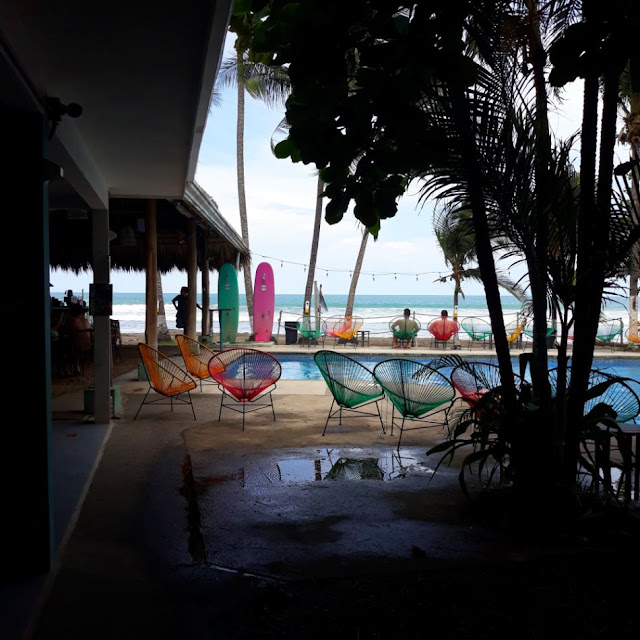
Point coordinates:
[[442, 330], [352, 386], [622, 396], [609, 331], [311, 329], [618, 394], [165, 378], [346, 330], [420, 394], [473, 379], [247, 378], [478, 330], [196, 358], [405, 330]]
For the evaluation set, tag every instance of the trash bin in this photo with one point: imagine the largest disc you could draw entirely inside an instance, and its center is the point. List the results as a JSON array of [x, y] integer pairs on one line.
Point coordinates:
[[551, 339], [291, 332]]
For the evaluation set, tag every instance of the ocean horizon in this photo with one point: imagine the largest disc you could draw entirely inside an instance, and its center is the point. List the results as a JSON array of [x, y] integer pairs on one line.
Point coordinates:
[[376, 310]]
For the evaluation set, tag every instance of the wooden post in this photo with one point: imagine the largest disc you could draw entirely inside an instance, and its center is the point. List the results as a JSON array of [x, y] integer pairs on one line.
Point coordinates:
[[151, 275]]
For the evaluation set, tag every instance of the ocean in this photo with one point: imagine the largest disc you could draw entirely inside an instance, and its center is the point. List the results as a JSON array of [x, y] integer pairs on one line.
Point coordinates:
[[376, 310]]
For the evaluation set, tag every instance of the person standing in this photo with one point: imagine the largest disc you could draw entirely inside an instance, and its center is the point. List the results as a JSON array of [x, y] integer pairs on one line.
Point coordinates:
[[180, 302], [70, 298], [78, 335]]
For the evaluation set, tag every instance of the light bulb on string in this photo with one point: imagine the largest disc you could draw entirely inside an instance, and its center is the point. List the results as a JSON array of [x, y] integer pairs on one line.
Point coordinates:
[[281, 264], [327, 274], [305, 268], [395, 276], [374, 277], [416, 277]]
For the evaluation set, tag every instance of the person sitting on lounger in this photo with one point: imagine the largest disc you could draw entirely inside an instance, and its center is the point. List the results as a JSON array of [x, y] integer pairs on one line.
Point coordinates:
[[406, 326]]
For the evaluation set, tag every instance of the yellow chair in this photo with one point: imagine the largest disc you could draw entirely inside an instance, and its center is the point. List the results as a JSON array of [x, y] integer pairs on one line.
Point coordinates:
[[196, 358], [165, 378]]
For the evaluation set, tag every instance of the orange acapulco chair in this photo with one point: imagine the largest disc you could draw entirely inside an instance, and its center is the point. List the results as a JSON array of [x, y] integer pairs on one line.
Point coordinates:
[[346, 331], [196, 358], [246, 378], [165, 378]]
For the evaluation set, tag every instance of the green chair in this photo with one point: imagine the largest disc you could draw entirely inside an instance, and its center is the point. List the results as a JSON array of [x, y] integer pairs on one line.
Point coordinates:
[[351, 384], [622, 396], [478, 330], [608, 331], [418, 393], [311, 329], [405, 330]]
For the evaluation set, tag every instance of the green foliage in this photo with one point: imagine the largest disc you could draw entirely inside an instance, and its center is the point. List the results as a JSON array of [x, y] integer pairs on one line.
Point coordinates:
[[486, 439]]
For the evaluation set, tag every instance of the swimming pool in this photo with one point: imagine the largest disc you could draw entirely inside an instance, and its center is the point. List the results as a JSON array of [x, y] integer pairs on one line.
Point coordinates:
[[303, 367]]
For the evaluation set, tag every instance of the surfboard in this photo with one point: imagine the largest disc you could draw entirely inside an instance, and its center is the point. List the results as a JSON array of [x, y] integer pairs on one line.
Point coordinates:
[[263, 303], [228, 302]]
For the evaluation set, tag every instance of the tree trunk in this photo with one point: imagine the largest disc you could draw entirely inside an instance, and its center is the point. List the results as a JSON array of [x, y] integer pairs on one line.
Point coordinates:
[[242, 201], [593, 232], [313, 256], [163, 329], [348, 312], [634, 272]]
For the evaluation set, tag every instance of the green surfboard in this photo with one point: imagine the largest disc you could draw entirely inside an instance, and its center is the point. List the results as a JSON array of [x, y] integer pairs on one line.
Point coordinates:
[[228, 302]]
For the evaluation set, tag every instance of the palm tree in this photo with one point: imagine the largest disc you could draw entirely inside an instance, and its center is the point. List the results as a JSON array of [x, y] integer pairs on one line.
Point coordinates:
[[163, 330], [313, 256], [356, 274], [631, 136], [454, 231], [270, 85]]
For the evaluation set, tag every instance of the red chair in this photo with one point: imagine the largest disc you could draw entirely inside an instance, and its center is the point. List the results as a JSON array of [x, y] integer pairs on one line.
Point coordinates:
[[442, 329], [473, 379], [246, 377]]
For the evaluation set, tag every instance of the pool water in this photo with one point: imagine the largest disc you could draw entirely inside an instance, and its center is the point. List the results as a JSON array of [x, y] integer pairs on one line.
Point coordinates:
[[303, 367]]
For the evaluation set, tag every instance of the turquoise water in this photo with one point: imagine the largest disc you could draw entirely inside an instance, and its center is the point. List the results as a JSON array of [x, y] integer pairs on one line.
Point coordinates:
[[302, 367], [376, 310]]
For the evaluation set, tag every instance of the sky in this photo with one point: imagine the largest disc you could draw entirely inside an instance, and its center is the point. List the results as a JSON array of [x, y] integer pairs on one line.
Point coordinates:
[[281, 195]]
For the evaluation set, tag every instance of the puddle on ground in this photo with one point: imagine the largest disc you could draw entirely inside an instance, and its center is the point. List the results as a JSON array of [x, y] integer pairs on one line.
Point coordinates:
[[325, 465]]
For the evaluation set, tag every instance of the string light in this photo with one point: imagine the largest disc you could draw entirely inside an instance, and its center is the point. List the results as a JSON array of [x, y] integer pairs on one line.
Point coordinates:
[[327, 270]]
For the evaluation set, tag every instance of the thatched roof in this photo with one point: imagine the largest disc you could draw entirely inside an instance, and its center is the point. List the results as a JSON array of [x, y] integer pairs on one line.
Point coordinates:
[[71, 230]]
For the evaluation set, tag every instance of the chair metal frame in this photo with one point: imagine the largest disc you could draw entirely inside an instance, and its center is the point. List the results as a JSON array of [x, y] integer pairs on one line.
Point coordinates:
[[166, 378], [435, 340], [352, 386], [344, 329], [255, 374], [473, 379], [608, 331], [478, 330], [405, 338], [196, 358], [399, 377], [316, 328], [623, 398]]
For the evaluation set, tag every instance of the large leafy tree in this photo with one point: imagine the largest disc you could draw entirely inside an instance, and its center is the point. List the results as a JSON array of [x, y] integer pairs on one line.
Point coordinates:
[[456, 94]]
